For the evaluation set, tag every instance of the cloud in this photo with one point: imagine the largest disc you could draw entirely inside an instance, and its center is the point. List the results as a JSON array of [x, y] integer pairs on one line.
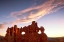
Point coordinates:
[[3, 25], [49, 3], [36, 12]]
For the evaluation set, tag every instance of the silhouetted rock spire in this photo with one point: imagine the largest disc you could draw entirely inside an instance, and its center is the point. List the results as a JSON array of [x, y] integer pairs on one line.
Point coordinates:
[[14, 34]]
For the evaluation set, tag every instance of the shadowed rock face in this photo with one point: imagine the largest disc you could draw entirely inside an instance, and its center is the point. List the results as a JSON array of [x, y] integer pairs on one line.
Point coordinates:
[[14, 34]]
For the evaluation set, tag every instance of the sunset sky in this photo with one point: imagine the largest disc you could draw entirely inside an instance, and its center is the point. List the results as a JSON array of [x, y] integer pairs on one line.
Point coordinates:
[[47, 13]]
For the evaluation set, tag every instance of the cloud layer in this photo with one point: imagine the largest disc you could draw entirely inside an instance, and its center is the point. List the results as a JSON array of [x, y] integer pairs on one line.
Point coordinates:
[[36, 12], [3, 25]]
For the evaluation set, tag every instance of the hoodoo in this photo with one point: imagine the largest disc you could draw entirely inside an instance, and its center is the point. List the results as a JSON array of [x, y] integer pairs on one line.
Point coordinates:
[[14, 34]]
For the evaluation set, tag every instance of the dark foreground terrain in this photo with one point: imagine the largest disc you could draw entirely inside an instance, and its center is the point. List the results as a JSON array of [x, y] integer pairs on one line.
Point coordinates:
[[58, 39]]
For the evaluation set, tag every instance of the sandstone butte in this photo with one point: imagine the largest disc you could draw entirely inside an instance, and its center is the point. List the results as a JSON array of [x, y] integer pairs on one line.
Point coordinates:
[[14, 34]]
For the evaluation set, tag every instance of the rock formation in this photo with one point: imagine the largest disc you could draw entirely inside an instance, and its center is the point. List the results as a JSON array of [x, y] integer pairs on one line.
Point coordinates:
[[14, 34]]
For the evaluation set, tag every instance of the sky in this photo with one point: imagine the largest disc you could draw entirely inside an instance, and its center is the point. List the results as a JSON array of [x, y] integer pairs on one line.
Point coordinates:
[[47, 13]]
